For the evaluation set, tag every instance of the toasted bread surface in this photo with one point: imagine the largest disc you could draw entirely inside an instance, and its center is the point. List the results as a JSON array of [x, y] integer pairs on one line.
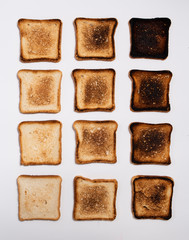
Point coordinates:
[[95, 141], [95, 38], [152, 197], [39, 197], [40, 91], [94, 89], [149, 37], [150, 90], [40, 142], [150, 143], [40, 40], [94, 199]]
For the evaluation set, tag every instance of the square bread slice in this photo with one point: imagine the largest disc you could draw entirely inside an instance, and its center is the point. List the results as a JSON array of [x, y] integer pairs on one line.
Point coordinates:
[[94, 89], [40, 91], [95, 141], [95, 38], [40, 40], [150, 90], [149, 37], [94, 199], [40, 142], [150, 143], [39, 197], [152, 197]]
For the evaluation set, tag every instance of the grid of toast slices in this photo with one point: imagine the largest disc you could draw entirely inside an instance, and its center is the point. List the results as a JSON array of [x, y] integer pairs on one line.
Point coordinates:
[[95, 141]]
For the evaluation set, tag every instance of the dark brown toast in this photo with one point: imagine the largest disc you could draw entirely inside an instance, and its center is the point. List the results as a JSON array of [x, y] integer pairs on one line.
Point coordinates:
[[40, 142], [150, 143], [149, 37], [40, 40], [152, 197], [94, 89], [39, 197], [95, 38], [40, 91], [94, 199], [150, 90], [95, 141]]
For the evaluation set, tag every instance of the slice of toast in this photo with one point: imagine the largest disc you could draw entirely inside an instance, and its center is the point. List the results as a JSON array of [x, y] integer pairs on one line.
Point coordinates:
[[150, 143], [152, 197], [94, 89], [95, 141], [39, 197], [95, 38], [40, 40], [94, 199], [40, 142], [150, 90], [40, 91], [149, 37]]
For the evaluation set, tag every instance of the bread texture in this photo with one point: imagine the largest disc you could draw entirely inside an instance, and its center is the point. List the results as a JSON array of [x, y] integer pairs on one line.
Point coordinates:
[[149, 37], [150, 143], [94, 199], [150, 90], [152, 197], [40, 91], [40, 40], [94, 89], [95, 141], [39, 197], [95, 38], [40, 142]]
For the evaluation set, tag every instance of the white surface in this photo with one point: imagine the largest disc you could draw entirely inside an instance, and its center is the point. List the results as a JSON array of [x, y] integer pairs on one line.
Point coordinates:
[[125, 226]]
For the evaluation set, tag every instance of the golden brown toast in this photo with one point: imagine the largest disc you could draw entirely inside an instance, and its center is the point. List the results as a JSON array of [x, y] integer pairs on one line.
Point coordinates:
[[95, 38], [150, 90], [149, 37], [95, 141], [94, 89], [94, 199], [40, 91], [150, 143], [39, 197], [40, 142], [40, 40], [152, 197]]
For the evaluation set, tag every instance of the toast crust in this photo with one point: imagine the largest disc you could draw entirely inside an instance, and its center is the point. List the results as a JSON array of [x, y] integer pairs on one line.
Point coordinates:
[[94, 103], [149, 38], [41, 35], [99, 35], [155, 197], [26, 163], [150, 90], [38, 177], [94, 181], [98, 140], [150, 143], [43, 92]]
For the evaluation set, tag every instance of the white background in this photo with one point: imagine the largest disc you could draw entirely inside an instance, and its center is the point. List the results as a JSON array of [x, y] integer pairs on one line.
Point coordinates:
[[124, 226]]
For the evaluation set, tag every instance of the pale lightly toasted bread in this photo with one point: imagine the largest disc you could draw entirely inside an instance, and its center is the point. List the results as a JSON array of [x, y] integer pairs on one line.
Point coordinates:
[[39, 197], [95, 38], [95, 141], [94, 89], [40, 142], [94, 199], [152, 197], [40, 91], [40, 40]]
